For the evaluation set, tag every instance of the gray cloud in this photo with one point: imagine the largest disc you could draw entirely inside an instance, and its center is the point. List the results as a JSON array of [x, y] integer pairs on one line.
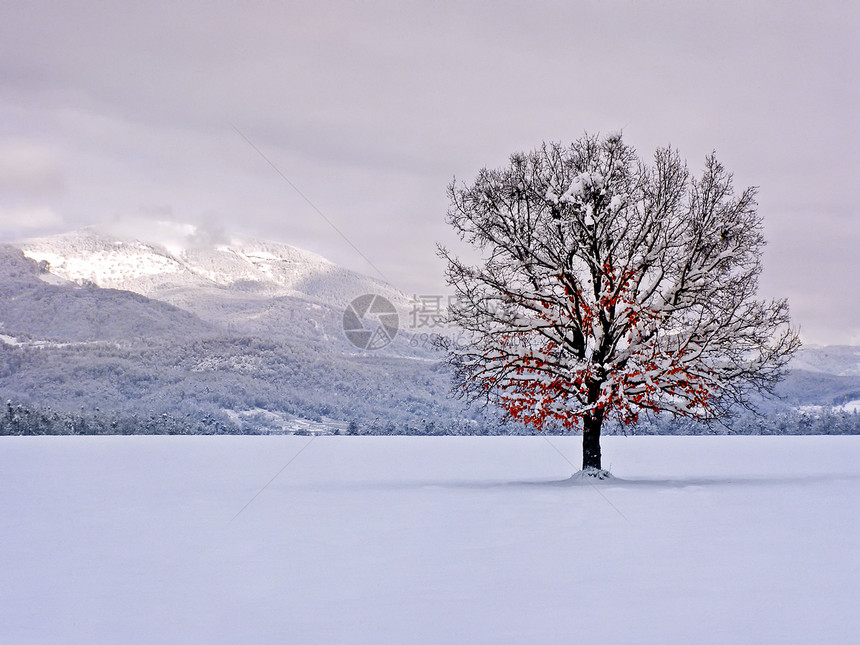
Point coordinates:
[[26, 219], [28, 168]]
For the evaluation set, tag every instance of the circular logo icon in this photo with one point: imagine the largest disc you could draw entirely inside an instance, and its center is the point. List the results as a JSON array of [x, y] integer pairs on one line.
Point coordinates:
[[370, 321]]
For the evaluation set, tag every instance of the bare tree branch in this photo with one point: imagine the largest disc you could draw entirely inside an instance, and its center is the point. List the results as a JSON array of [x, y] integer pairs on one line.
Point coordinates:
[[611, 287]]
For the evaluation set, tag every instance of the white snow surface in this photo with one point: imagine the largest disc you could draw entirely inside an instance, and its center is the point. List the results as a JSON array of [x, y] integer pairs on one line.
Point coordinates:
[[851, 406], [428, 540]]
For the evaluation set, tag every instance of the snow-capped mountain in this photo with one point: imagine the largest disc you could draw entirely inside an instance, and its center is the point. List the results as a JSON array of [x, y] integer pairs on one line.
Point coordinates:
[[238, 284], [156, 266], [38, 308]]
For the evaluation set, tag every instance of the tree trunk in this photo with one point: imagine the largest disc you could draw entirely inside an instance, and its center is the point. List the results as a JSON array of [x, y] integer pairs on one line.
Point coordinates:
[[591, 424], [591, 441]]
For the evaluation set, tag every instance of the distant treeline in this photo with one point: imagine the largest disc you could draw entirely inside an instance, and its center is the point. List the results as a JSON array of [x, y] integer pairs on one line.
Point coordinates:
[[22, 420], [18, 419], [828, 420]]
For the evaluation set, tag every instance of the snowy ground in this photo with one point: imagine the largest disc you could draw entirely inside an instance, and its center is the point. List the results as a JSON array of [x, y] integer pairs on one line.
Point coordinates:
[[428, 540]]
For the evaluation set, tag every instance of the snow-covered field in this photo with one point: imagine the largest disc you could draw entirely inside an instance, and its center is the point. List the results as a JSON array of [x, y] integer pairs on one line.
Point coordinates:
[[428, 540]]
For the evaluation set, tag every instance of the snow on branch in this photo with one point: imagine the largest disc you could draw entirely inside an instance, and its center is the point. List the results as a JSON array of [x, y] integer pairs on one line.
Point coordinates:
[[610, 287]]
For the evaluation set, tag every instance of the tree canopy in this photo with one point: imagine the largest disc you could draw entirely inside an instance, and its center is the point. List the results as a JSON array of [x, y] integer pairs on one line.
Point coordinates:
[[609, 287]]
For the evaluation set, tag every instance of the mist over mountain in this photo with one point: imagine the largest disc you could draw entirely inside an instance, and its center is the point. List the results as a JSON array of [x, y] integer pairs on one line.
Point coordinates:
[[204, 331]]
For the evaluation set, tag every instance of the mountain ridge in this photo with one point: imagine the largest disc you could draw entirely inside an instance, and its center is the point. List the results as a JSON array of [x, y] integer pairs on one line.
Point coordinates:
[[235, 263], [250, 334]]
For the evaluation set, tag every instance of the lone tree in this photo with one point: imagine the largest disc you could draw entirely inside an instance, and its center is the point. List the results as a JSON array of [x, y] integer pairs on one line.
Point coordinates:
[[609, 287]]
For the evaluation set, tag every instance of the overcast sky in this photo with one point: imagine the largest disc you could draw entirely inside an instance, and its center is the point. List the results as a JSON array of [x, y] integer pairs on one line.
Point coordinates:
[[133, 111]]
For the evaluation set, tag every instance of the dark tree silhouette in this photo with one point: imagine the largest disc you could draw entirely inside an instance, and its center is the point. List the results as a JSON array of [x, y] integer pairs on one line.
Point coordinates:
[[608, 287]]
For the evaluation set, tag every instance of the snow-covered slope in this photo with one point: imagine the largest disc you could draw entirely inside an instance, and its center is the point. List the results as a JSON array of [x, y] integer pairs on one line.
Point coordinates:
[[161, 267], [38, 307], [240, 285], [838, 360]]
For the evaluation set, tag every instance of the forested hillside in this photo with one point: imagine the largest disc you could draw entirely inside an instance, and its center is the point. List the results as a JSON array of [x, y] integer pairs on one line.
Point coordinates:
[[221, 355]]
